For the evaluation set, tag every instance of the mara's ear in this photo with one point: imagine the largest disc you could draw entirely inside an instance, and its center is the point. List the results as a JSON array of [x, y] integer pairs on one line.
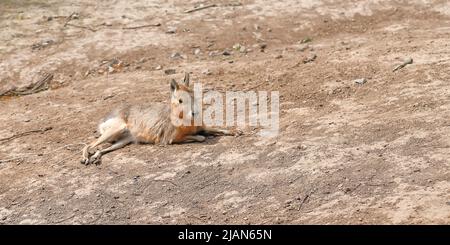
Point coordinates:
[[173, 85], [186, 79]]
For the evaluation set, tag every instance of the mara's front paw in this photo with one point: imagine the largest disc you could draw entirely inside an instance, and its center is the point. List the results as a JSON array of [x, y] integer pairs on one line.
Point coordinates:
[[96, 158], [84, 161]]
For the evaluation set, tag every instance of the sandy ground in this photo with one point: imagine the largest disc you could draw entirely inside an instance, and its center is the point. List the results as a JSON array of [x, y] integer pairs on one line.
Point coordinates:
[[347, 153]]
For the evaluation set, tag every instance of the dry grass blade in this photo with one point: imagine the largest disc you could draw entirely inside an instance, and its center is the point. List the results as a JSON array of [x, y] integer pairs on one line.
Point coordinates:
[[39, 86], [139, 27], [200, 8]]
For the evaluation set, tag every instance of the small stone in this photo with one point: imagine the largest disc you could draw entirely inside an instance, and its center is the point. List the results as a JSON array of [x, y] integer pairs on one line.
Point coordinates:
[[360, 81], [306, 40], [171, 30], [226, 53], [262, 46], [242, 49], [176, 56], [197, 51], [42, 44], [309, 59], [158, 67], [237, 46], [302, 47], [206, 72], [169, 71], [213, 53]]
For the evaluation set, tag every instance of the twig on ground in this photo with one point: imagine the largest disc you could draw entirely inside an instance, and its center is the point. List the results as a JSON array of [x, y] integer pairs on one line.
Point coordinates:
[[256, 86], [303, 201], [65, 219], [83, 27], [26, 133], [200, 8], [69, 18], [138, 27], [405, 63], [164, 180], [39, 86]]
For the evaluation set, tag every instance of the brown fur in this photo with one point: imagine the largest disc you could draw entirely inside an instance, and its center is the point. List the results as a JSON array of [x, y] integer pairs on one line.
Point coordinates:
[[148, 124]]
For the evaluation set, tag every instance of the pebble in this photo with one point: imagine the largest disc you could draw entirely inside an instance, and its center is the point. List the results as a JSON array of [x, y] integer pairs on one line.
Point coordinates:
[[302, 47], [176, 56], [170, 71], [213, 53], [171, 30], [360, 81], [206, 72], [310, 58]]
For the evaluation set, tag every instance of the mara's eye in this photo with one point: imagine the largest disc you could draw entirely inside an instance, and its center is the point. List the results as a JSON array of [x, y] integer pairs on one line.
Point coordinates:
[[180, 100]]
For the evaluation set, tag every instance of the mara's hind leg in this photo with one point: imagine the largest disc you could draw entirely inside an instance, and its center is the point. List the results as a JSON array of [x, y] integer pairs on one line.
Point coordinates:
[[96, 158], [217, 131], [114, 131]]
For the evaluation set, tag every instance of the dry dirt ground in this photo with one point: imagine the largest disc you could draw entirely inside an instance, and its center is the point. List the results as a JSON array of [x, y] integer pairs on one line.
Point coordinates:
[[347, 153]]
